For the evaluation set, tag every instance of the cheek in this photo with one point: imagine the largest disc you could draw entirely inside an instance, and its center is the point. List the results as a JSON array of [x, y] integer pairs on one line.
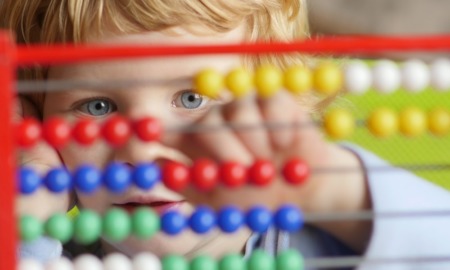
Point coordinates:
[[98, 154]]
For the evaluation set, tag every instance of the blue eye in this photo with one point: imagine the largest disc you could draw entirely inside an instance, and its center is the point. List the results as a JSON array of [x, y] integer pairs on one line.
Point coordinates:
[[98, 107], [191, 100]]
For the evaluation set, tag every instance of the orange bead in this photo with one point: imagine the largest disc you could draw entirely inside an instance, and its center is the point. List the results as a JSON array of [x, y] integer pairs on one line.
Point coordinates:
[[383, 122], [339, 123], [268, 81], [239, 82], [209, 83], [328, 78], [298, 79], [439, 121], [413, 122]]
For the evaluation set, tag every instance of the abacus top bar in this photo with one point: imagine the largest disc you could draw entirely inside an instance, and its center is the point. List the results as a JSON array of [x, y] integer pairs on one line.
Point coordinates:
[[57, 54]]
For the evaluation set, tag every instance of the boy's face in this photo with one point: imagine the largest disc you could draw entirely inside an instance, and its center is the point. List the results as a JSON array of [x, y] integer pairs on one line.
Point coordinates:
[[170, 100]]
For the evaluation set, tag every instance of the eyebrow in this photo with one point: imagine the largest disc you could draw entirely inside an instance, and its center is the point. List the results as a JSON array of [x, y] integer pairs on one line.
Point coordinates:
[[29, 86]]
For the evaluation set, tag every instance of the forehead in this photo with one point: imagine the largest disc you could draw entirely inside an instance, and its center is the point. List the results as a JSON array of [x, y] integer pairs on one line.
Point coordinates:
[[158, 66]]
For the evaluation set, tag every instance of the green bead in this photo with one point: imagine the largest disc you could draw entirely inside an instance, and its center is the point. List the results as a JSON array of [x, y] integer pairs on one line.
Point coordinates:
[[145, 222], [116, 225], [87, 227], [30, 228], [260, 260], [203, 262], [60, 227], [174, 262], [290, 260], [232, 261]]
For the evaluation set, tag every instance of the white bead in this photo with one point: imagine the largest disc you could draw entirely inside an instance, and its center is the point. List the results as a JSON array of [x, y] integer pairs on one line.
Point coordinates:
[[440, 74], [386, 76], [117, 261], [145, 261], [87, 262], [415, 76], [357, 77], [30, 264], [60, 264]]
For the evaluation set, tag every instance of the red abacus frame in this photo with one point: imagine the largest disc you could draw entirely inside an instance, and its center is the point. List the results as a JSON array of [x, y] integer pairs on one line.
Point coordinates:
[[12, 57]]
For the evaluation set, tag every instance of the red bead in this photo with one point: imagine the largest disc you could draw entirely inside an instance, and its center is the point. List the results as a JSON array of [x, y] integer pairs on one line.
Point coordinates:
[[261, 173], [204, 174], [116, 130], [28, 132], [56, 132], [175, 175], [296, 171], [233, 174], [85, 131], [148, 129]]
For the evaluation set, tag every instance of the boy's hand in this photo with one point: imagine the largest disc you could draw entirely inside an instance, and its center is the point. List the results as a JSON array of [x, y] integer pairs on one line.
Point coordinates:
[[41, 158], [296, 136]]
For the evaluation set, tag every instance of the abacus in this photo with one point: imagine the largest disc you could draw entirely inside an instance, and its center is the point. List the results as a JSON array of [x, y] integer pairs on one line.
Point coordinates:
[[357, 77]]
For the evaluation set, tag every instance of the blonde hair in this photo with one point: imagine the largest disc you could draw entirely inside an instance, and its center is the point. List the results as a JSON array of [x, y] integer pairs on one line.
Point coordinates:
[[79, 21]]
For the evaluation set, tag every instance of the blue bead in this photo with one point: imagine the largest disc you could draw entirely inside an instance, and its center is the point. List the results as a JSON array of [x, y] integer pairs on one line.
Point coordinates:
[[87, 179], [230, 219], [146, 175], [172, 222], [202, 220], [29, 180], [259, 219], [58, 180], [117, 177], [289, 218]]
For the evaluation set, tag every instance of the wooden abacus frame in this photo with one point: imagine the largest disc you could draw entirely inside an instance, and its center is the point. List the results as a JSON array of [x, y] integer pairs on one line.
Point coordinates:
[[12, 57]]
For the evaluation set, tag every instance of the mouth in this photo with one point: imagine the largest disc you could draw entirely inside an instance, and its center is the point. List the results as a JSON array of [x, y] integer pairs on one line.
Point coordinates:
[[159, 207]]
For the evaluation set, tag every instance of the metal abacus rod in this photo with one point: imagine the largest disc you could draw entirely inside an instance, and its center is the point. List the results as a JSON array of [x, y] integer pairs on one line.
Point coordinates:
[[143, 222], [338, 124], [289, 260], [355, 76], [145, 176]]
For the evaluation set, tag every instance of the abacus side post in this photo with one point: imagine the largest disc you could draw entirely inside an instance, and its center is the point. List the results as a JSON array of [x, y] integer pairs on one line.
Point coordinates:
[[8, 234]]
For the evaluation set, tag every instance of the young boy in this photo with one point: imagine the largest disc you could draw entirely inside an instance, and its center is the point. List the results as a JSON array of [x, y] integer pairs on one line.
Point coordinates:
[[175, 104]]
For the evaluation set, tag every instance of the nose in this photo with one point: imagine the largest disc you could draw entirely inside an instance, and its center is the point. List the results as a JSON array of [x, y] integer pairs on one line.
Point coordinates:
[[136, 151], [148, 102]]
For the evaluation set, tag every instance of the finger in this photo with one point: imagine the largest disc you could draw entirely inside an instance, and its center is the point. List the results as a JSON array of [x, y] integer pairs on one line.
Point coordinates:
[[279, 111], [246, 116], [219, 141], [309, 142]]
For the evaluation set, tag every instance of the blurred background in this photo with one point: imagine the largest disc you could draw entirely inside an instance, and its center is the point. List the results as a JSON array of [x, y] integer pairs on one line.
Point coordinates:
[[395, 17], [392, 17]]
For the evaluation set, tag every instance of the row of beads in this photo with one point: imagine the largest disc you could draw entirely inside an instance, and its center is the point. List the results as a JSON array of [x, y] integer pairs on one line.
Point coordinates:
[[258, 260], [328, 78], [116, 225], [57, 132], [117, 130], [385, 122], [204, 175]]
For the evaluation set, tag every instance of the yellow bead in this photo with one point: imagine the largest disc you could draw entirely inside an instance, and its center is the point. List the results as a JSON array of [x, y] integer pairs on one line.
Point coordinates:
[[239, 82], [268, 81], [209, 82], [383, 122], [439, 121], [339, 123], [298, 79], [328, 78], [413, 122]]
